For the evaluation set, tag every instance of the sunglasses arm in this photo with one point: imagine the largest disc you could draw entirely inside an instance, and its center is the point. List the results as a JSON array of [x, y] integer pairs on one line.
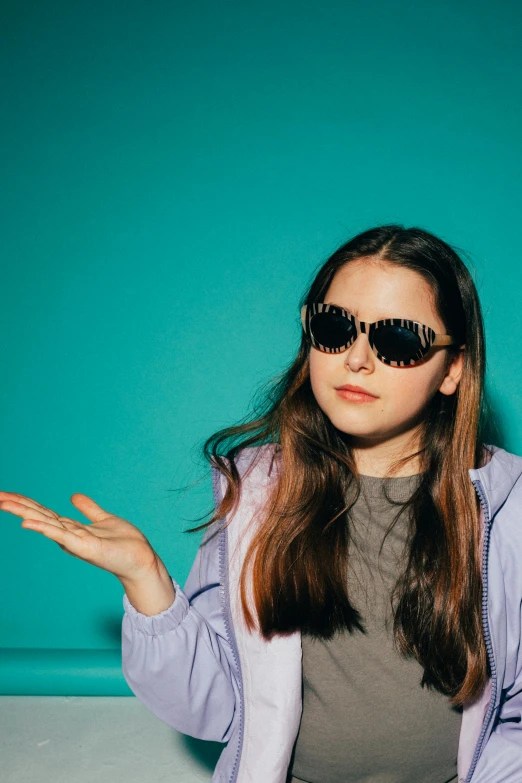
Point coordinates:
[[443, 339]]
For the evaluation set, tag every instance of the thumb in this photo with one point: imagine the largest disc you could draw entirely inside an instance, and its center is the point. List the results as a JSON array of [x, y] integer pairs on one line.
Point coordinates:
[[88, 507]]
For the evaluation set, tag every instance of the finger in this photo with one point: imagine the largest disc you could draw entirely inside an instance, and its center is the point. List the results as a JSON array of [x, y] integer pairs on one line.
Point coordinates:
[[77, 543], [15, 497], [89, 508], [65, 539], [21, 510], [58, 534]]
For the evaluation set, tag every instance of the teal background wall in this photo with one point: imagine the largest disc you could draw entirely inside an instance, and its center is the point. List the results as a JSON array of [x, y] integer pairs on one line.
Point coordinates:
[[175, 171]]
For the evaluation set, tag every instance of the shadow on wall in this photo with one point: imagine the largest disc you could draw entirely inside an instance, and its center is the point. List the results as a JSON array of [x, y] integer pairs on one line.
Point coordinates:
[[205, 752]]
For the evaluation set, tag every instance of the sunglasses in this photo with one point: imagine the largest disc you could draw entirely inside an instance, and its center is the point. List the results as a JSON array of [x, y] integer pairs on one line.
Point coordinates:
[[395, 341]]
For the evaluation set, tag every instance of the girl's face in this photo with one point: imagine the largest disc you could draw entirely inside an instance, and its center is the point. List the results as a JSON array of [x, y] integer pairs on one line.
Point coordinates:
[[383, 427]]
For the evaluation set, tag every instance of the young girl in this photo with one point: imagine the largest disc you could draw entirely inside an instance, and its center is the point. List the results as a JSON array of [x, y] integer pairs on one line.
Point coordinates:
[[353, 613]]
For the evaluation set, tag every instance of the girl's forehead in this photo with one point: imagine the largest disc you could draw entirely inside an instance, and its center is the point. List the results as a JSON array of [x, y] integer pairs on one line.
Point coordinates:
[[371, 292]]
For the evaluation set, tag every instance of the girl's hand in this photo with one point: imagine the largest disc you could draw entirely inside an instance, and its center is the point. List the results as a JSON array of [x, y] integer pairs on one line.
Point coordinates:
[[109, 542]]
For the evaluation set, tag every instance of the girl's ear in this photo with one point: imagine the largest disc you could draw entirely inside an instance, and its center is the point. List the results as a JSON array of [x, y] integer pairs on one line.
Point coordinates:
[[454, 373]]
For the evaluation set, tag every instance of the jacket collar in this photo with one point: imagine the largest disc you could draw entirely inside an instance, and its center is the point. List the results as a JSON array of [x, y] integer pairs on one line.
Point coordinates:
[[498, 477]]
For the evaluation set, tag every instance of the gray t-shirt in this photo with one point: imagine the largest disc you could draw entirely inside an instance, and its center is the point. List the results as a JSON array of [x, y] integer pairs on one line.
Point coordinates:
[[365, 717]]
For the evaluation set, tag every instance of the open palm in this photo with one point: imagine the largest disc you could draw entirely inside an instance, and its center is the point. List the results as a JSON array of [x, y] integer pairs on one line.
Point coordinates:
[[110, 543]]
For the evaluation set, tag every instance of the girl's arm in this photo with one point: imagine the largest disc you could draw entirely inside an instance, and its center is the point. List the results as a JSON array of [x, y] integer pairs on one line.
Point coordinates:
[[179, 663]]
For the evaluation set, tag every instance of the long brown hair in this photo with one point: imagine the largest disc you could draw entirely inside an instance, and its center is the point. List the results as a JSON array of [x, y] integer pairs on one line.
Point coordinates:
[[299, 555]]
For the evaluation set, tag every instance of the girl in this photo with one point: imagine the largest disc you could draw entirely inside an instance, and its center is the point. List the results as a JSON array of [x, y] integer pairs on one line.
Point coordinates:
[[354, 609]]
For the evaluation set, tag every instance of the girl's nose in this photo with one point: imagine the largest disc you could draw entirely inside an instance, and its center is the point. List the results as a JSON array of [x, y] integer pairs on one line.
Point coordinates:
[[359, 353]]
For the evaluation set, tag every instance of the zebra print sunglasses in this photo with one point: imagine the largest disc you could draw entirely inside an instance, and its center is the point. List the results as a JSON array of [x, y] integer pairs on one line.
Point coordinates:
[[395, 341]]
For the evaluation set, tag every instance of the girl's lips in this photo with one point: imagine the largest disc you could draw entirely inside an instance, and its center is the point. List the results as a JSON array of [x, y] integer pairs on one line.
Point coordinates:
[[355, 396]]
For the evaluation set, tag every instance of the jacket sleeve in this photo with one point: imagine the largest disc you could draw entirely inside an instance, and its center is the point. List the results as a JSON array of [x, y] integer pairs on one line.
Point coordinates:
[[179, 663]]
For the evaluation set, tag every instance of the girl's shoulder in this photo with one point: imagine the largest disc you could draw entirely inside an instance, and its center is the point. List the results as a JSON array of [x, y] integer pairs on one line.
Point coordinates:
[[257, 467], [257, 463], [501, 475]]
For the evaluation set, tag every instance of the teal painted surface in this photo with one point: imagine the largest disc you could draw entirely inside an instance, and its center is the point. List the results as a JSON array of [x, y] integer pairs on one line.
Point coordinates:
[[173, 175], [59, 672]]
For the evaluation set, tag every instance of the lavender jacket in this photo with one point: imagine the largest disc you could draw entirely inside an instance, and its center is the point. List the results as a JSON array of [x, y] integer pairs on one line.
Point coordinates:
[[198, 669]]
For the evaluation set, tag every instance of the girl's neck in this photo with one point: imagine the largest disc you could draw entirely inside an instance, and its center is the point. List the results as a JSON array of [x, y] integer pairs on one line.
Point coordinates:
[[377, 460]]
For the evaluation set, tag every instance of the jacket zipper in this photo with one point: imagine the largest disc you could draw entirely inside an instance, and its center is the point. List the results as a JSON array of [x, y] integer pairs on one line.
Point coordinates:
[[225, 600], [225, 605], [487, 636]]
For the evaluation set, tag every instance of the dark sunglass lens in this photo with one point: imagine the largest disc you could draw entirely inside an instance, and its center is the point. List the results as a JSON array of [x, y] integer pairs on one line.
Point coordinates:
[[331, 330], [396, 343]]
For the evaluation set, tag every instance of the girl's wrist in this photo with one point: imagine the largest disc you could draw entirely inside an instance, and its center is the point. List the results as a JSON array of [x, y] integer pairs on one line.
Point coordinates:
[[151, 593]]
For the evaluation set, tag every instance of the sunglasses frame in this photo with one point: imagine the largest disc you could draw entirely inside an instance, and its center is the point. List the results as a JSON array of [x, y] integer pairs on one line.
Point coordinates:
[[426, 334]]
